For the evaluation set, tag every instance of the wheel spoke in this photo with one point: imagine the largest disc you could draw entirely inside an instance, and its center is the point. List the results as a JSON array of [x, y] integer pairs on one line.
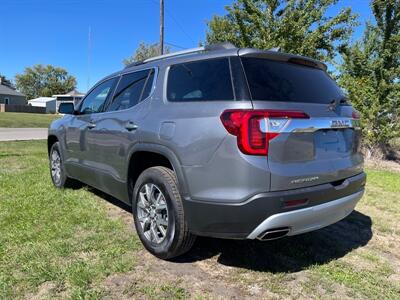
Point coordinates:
[[143, 203], [149, 192], [160, 207], [162, 222], [162, 230], [145, 221], [154, 232]]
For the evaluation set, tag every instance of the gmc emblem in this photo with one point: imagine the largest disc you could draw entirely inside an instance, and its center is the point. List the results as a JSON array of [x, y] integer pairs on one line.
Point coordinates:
[[340, 123]]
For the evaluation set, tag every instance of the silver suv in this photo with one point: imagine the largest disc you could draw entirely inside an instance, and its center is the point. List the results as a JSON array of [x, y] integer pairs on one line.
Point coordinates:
[[215, 141]]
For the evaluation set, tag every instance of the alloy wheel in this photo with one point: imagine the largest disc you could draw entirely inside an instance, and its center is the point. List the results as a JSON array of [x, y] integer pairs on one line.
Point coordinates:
[[152, 213], [55, 162]]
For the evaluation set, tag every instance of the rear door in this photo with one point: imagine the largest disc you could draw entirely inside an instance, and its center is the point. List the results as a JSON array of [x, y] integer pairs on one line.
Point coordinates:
[[320, 149]]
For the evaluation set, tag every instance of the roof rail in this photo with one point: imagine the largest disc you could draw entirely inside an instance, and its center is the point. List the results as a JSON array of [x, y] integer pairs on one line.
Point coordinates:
[[275, 49], [183, 52], [212, 47]]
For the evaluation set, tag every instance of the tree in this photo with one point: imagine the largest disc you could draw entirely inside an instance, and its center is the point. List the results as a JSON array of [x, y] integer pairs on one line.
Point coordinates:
[[295, 26], [371, 75], [145, 51], [44, 81]]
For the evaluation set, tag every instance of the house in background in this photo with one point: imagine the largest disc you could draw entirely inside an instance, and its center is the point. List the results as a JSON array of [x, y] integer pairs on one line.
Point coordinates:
[[73, 97], [9, 95], [49, 103]]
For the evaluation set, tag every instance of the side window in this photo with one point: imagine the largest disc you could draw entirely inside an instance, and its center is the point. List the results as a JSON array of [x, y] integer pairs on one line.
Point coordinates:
[[95, 101], [149, 85], [130, 90], [206, 80]]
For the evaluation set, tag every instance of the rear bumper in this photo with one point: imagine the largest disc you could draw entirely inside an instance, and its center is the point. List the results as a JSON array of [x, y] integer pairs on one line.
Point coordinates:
[[310, 218], [326, 204]]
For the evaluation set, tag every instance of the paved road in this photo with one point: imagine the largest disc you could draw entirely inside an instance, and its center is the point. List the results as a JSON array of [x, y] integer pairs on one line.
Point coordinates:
[[22, 134]]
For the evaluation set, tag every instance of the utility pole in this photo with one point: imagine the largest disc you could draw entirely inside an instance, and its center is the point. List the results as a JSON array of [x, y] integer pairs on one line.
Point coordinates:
[[161, 27]]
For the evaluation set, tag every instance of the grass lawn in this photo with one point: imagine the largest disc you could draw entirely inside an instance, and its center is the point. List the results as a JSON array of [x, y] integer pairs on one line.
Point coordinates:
[[74, 244], [26, 120]]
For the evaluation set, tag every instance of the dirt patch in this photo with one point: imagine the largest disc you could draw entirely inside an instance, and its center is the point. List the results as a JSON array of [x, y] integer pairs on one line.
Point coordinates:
[[153, 276], [44, 291]]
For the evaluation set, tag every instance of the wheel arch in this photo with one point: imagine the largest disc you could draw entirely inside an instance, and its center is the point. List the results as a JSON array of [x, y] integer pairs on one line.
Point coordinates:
[[51, 140], [166, 158]]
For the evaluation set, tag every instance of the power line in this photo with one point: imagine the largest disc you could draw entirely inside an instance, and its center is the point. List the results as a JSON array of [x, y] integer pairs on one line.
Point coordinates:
[[176, 46], [176, 21]]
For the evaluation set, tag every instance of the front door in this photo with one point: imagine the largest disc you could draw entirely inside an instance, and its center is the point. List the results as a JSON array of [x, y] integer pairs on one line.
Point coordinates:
[[78, 159]]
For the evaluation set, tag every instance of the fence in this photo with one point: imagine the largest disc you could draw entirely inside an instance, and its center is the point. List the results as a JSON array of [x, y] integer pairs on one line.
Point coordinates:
[[22, 108]]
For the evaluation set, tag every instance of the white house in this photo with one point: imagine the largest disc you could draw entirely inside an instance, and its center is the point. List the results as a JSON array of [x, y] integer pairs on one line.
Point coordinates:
[[48, 102], [73, 97]]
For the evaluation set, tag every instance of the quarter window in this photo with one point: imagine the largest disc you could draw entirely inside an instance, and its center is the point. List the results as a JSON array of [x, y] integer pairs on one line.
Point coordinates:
[[132, 88], [96, 99], [206, 80]]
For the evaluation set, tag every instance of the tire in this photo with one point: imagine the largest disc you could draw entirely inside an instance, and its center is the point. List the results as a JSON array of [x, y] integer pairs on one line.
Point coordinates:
[[61, 180], [173, 240]]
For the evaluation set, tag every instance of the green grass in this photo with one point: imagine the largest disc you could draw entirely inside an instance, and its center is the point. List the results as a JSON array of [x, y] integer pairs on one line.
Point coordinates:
[[367, 272], [51, 236], [26, 120]]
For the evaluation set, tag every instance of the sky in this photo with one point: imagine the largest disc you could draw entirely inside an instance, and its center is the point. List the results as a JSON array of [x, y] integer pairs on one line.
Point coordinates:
[[56, 31]]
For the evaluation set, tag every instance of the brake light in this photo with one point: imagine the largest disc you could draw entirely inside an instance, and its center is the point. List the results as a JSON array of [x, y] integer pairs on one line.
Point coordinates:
[[256, 128]]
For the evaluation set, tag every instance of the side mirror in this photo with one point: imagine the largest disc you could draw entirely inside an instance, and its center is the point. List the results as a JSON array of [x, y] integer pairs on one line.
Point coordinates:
[[66, 108]]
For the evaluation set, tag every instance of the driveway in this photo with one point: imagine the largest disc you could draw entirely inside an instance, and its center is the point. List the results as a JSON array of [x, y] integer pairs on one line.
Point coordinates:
[[22, 134]]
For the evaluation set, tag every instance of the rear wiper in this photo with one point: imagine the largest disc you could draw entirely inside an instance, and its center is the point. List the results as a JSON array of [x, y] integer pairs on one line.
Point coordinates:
[[332, 105]]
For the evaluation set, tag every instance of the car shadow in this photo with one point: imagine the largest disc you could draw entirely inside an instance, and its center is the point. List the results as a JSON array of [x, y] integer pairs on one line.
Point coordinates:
[[289, 254]]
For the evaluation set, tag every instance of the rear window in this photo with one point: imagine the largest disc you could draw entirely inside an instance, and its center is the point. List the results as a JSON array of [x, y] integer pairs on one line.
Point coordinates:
[[206, 80], [282, 81]]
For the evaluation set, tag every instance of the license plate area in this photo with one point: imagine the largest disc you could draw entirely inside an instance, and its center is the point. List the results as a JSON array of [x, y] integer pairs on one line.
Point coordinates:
[[330, 141]]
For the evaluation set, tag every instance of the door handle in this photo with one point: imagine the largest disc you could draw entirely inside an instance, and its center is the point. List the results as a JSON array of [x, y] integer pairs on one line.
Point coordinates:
[[91, 125], [131, 126]]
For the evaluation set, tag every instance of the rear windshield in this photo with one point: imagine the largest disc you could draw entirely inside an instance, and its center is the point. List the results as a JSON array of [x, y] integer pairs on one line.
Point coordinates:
[[205, 80], [282, 81]]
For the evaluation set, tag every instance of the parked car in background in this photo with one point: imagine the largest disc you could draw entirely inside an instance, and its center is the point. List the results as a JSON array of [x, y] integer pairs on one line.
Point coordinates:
[[215, 141]]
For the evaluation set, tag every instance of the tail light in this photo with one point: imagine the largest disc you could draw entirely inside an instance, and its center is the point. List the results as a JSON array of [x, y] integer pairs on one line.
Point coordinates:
[[255, 128], [355, 115]]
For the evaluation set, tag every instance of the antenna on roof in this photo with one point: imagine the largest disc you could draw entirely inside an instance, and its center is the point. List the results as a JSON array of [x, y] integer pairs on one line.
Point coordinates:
[[88, 58]]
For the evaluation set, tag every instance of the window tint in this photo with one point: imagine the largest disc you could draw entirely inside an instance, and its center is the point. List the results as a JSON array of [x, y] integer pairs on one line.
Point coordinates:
[[129, 90], [206, 80], [282, 81], [96, 99]]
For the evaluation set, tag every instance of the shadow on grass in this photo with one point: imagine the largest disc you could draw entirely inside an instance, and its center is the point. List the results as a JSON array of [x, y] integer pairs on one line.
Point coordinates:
[[289, 254]]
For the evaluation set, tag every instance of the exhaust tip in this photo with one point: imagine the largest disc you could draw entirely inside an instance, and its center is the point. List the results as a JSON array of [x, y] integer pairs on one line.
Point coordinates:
[[273, 234]]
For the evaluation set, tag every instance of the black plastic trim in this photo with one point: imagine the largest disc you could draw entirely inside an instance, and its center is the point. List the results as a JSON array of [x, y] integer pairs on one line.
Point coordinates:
[[237, 220]]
